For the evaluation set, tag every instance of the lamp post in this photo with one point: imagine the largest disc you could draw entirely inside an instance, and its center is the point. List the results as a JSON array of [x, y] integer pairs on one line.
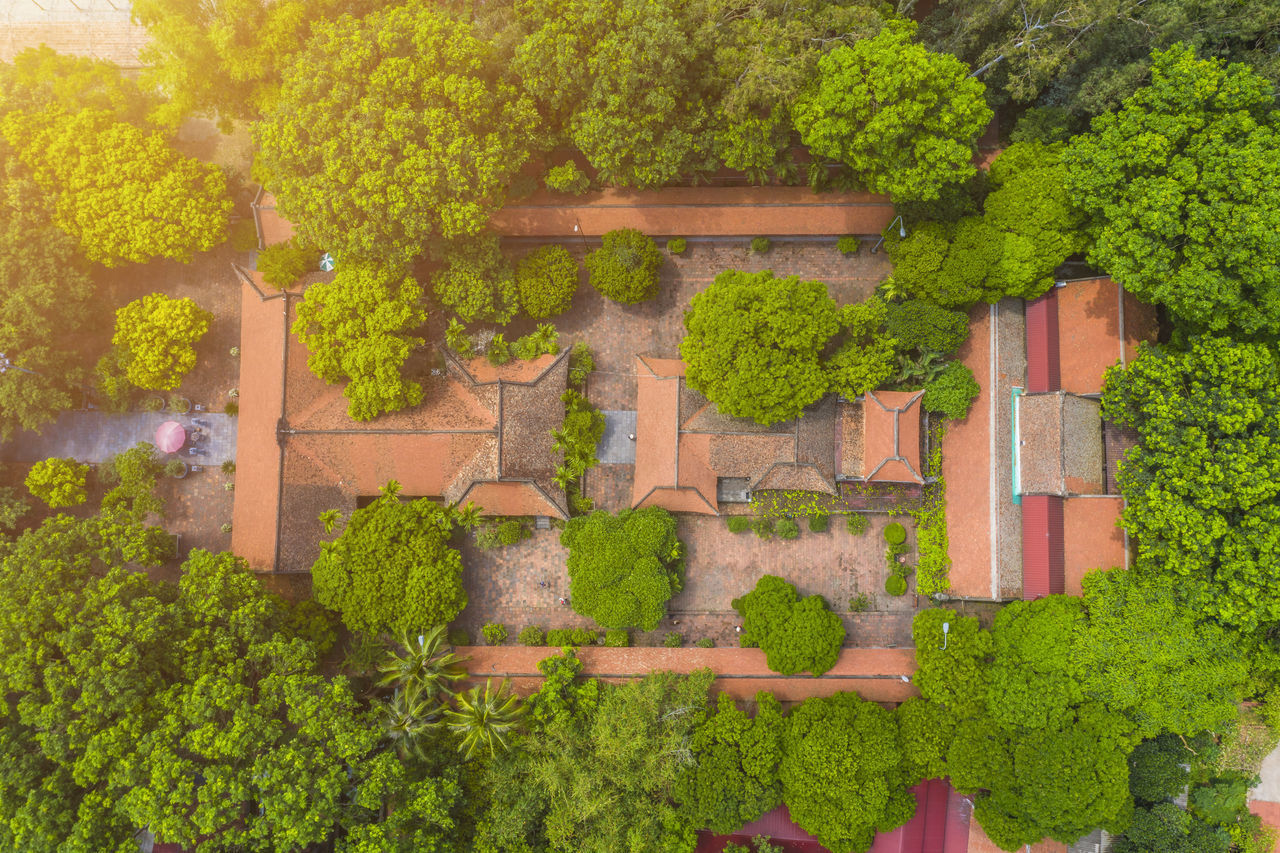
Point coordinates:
[[946, 629], [902, 232], [6, 365], [577, 229]]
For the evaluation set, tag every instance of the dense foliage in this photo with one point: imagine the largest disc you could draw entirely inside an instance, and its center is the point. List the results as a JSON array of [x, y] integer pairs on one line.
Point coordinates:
[[795, 634], [546, 279], [1202, 488], [43, 308], [476, 280], [922, 326], [58, 482], [756, 343], [903, 119], [392, 567], [952, 391], [1182, 186], [842, 773], [625, 267], [284, 263], [358, 327], [395, 98], [156, 337], [624, 568]]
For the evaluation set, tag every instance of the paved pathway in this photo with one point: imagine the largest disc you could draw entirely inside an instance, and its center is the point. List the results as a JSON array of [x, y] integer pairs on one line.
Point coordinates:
[[94, 436], [96, 28], [874, 674]]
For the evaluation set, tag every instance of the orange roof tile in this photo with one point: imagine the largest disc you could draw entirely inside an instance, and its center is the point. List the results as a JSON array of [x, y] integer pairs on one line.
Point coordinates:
[[1094, 331], [513, 498], [1091, 538], [891, 437], [657, 431]]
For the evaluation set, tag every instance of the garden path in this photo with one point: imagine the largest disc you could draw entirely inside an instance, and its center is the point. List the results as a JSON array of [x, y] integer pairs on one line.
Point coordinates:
[[96, 436]]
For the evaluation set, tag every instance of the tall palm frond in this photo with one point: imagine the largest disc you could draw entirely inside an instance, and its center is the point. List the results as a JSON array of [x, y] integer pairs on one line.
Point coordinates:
[[485, 719], [425, 664]]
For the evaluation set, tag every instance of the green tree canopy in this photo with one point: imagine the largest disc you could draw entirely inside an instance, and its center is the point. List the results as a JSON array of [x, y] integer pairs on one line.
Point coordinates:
[[356, 327], [476, 280], [1202, 488], [734, 777], [43, 307], [1182, 187], [225, 58], [1148, 657], [392, 568], [58, 482], [842, 773], [624, 568], [755, 344], [625, 267], [156, 336], [921, 326], [409, 100], [795, 634], [903, 119], [547, 278]]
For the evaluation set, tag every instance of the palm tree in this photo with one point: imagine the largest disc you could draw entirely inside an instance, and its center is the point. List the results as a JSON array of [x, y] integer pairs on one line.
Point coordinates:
[[408, 715], [391, 489], [485, 718], [467, 516], [426, 666], [329, 518]]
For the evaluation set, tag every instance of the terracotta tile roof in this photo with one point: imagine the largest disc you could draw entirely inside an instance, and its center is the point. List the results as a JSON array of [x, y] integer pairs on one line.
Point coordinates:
[[891, 436], [684, 445], [1093, 539], [485, 440]]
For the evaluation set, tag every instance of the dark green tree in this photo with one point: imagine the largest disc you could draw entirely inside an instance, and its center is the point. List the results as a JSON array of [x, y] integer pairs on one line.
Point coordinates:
[[921, 326], [625, 267], [624, 568], [1182, 187], [476, 280], [546, 279]]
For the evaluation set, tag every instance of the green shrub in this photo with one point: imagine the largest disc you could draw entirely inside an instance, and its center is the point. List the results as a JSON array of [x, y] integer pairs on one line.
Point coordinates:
[[229, 467], [512, 531], [578, 436], [545, 340], [738, 523], [856, 523], [895, 533], [859, 603], [616, 638], [546, 279], [919, 325], [760, 245], [895, 585], [153, 404], [849, 244], [706, 643], [176, 468], [558, 637], [231, 408], [567, 178], [623, 569], [673, 639], [796, 635], [179, 404], [244, 235], [499, 351], [531, 635], [818, 523], [58, 482], [677, 245], [284, 263], [459, 637], [763, 527], [495, 633], [625, 268], [457, 339], [581, 363], [952, 392], [476, 280], [786, 528]]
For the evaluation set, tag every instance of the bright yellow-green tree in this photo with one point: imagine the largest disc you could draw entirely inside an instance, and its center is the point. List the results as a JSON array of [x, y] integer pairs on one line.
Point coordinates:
[[156, 337]]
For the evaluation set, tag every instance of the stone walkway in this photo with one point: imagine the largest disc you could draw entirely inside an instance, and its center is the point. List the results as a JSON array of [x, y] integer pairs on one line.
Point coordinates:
[[94, 436]]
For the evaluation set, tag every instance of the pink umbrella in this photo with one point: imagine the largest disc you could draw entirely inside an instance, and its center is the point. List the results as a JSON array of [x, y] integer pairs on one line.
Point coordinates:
[[170, 436]]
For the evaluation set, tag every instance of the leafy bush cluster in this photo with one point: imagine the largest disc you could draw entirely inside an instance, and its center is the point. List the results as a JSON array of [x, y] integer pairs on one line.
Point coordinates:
[[546, 280], [567, 178], [577, 438], [495, 633], [155, 339], [933, 562], [558, 637], [617, 638], [58, 482], [952, 392], [624, 568], [625, 268], [738, 523], [677, 245], [544, 340], [476, 281], [284, 263], [581, 364], [796, 634]]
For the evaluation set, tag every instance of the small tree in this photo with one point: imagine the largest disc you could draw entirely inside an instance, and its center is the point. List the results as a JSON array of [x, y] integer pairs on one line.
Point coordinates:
[[284, 263], [625, 268], [624, 568], [952, 392], [795, 634], [547, 278], [476, 280], [58, 482], [156, 336]]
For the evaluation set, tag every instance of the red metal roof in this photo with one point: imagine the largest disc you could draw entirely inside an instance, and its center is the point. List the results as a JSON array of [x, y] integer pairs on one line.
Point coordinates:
[[1044, 371], [1043, 557]]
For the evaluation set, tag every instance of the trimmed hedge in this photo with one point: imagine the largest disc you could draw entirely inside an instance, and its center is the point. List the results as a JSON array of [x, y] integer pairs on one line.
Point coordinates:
[[617, 639], [495, 633], [895, 533], [532, 635], [895, 585], [739, 523], [818, 523], [849, 244], [625, 268], [786, 528], [673, 639], [572, 637], [856, 523], [760, 245], [546, 279], [677, 245]]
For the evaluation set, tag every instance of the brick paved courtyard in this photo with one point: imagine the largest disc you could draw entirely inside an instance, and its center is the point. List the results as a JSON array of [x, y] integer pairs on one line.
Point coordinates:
[[503, 583]]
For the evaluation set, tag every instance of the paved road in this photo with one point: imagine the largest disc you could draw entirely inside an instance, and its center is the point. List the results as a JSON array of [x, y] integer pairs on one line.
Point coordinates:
[[93, 436]]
